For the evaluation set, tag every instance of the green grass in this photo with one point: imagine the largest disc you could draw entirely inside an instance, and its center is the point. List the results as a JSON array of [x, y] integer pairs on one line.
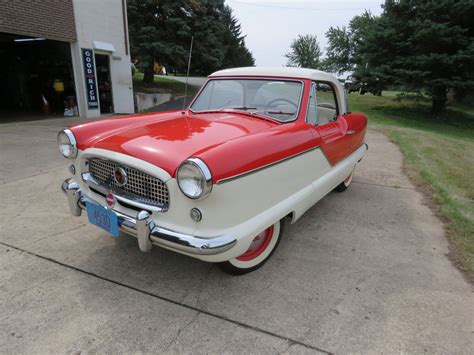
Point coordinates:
[[439, 157], [161, 85]]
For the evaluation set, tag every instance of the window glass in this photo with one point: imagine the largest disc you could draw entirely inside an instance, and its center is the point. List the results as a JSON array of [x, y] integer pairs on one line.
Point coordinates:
[[326, 103], [278, 99], [220, 94], [312, 115]]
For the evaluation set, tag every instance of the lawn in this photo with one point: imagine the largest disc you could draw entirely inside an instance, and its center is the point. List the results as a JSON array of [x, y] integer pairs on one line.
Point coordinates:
[[161, 85], [439, 158]]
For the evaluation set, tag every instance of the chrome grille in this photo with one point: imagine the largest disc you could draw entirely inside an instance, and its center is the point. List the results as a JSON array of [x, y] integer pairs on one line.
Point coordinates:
[[147, 188]]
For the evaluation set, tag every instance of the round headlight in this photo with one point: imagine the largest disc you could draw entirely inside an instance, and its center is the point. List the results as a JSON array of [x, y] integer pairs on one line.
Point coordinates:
[[194, 179], [67, 144]]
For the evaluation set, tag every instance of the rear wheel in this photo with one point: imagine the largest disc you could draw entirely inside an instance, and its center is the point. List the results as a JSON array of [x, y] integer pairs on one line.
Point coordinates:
[[343, 186], [259, 251]]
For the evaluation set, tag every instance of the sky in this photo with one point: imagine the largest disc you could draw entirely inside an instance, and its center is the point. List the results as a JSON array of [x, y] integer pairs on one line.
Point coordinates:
[[271, 25]]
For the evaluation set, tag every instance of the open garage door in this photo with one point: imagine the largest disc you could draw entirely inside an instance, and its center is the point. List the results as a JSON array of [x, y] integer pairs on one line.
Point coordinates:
[[36, 78]]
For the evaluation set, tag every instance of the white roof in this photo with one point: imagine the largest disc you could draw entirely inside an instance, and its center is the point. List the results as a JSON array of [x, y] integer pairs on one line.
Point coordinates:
[[289, 72]]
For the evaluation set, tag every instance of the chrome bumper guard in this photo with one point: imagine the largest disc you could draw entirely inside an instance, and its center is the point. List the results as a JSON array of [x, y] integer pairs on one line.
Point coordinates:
[[147, 232]]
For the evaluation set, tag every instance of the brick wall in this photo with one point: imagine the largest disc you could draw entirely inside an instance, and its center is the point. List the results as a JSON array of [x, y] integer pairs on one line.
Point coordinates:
[[52, 19]]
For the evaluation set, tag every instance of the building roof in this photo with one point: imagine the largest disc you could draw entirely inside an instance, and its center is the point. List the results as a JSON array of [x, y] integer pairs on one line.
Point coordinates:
[[289, 72]]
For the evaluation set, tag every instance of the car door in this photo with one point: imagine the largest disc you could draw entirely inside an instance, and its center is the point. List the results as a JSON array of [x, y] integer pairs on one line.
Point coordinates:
[[330, 126]]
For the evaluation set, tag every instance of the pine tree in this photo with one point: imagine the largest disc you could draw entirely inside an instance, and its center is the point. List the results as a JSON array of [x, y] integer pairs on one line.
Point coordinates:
[[424, 45], [237, 54], [161, 30]]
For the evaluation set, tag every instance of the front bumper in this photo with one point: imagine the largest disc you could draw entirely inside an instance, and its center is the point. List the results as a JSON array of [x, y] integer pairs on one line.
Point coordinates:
[[146, 230]]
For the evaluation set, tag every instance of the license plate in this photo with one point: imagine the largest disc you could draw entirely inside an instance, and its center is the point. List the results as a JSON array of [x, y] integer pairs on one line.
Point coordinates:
[[103, 218]]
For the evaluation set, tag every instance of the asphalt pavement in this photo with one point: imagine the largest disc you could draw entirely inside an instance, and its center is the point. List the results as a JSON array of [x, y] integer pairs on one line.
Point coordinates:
[[364, 271]]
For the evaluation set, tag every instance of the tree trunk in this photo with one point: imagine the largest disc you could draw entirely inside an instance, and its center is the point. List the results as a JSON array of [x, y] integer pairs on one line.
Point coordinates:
[[149, 74], [439, 99]]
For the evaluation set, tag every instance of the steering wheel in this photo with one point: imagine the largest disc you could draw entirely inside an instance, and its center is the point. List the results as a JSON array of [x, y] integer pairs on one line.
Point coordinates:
[[271, 103]]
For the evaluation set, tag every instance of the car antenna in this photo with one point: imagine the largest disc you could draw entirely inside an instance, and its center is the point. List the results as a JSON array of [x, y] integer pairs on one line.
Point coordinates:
[[187, 73]]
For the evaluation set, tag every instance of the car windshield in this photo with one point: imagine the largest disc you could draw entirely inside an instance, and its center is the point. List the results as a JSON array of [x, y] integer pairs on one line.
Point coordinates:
[[277, 99]]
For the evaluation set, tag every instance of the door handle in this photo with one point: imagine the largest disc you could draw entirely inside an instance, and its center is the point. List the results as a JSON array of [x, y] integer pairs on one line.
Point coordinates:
[[351, 131]]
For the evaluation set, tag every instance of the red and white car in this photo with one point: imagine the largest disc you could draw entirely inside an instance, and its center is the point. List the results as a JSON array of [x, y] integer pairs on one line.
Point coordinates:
[[217, 180]]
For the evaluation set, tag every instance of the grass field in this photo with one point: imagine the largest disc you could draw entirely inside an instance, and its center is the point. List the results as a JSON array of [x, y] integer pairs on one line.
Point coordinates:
[[439, 157], [161, 85]]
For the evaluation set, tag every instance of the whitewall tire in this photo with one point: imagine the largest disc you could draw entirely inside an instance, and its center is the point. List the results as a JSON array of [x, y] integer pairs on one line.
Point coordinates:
[[260, 250]]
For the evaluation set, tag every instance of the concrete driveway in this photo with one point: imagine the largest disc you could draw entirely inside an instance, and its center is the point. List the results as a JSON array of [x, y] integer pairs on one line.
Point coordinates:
[[363, 271]]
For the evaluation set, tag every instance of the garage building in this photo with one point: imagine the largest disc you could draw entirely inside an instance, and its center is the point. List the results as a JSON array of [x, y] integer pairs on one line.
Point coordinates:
[[64, 57]]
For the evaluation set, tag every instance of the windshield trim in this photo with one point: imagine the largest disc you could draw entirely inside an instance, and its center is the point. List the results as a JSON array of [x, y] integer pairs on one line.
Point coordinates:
[[298, 110]]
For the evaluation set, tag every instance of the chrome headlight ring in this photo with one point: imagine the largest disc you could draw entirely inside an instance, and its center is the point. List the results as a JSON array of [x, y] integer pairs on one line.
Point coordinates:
[[67, 144], [194, 179]]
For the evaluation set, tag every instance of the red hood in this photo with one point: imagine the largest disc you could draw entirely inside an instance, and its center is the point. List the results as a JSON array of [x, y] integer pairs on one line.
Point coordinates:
[[166, 139]]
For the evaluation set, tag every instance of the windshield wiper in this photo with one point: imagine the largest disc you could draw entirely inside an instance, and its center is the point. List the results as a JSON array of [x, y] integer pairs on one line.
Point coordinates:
[[280, 113], [224, 109], [275, 112], [241, 108]]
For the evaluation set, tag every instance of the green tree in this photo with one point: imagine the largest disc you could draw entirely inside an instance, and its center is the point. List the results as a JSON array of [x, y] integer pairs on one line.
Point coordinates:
[[236, 53], [218, 38], [161, 30], [424, 45], [304, 52], [343, 53], [207, 30]]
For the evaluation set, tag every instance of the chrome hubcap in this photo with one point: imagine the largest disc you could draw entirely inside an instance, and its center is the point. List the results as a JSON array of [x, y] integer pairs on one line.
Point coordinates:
[[257, 241]]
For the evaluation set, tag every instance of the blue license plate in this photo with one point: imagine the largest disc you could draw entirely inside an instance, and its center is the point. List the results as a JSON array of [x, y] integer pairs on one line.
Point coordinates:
[[103, 218]]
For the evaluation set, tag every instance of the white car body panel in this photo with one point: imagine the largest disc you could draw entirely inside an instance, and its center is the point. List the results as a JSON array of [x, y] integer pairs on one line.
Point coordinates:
[[253, 201]]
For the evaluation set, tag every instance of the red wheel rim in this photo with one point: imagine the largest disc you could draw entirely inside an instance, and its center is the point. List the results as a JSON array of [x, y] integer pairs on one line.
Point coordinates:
[[258, 245], [348, 178]]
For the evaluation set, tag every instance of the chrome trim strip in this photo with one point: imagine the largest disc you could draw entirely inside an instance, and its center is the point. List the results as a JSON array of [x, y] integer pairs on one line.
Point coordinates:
[[222, 181], [145, 229], [72, 140], [121, 196], [71, 137]]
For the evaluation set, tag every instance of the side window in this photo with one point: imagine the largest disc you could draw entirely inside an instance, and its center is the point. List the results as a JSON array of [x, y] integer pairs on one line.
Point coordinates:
[[326, 103], [312, 114]]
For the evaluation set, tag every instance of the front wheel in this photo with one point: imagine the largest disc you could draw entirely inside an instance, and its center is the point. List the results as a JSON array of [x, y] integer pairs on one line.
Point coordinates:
[[260, 250]]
